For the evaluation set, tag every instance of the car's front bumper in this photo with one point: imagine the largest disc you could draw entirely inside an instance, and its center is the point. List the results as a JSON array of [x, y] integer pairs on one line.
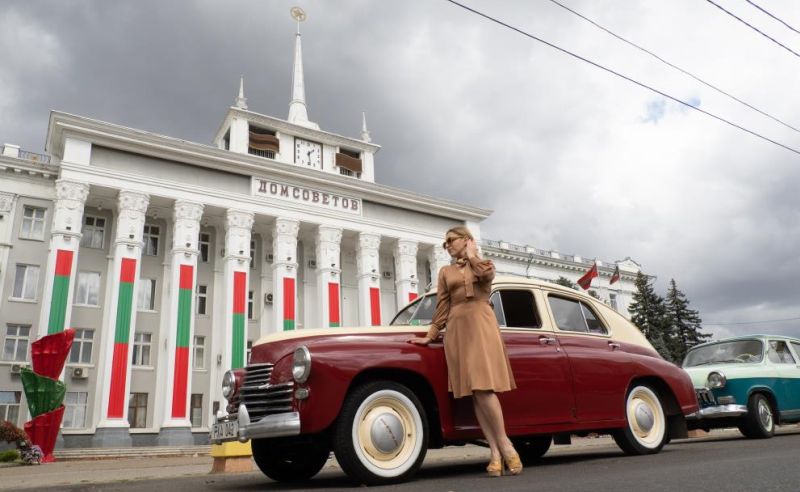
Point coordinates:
[[276, 425], [719, 411]]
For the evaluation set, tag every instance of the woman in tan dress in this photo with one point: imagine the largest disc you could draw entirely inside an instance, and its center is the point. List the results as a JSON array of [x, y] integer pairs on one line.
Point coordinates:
[[477, 363]]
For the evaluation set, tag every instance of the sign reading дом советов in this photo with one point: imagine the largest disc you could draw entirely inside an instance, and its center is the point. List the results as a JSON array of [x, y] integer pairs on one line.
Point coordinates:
[[306, 196]]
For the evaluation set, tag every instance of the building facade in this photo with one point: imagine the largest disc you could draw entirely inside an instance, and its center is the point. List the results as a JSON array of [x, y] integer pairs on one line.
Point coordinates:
[[169, 258]]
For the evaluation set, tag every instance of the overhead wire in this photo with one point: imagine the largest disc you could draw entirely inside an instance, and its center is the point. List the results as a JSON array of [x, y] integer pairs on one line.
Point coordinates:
[[625, 77], [686, 72], [771, 15], [725, 323], [712, 2]]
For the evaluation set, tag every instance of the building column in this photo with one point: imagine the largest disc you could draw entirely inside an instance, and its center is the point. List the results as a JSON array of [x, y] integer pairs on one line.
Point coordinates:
[[329, 273], [369, 287], [7, 206], [65, 239], [238, 226], [112, 430], [439, 258], [405, 269], [175, 425], [284, 273]]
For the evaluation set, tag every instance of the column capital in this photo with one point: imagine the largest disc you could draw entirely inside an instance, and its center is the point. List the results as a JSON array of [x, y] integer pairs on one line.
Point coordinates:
[[131, 207], [133, 201], [284, 243], [329, 234], [238, 228], [187, 226], [328, 249], [68, 216], [286, 227], [71, 190], [406, 247], [367, 260], [239, 219]]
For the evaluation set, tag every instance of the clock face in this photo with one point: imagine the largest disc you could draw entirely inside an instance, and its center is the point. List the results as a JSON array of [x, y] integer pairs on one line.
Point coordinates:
[[308, 153]]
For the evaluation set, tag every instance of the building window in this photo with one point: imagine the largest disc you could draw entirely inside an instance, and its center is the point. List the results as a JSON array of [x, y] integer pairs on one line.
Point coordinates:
[[81, 352], [250, 305], [32, 223], [146, 295], [75, 410], [150, 238], [199, 361], [612, 298], [87, 291], [137, 410], [9, 406], [269, 154], [26, 282], [202, 298], [94, 232], [141, 349], [252, 254], [16, 346], [205, 246], [196, 410], [346, 172], [249, 350]]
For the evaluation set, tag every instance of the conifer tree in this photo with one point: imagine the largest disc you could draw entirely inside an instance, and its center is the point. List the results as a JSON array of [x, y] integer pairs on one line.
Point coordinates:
[[566, 282], [649, 313], [684, 323]]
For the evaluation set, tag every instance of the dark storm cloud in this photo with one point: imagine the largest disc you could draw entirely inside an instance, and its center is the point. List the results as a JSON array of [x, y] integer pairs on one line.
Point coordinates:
[[471, 112]]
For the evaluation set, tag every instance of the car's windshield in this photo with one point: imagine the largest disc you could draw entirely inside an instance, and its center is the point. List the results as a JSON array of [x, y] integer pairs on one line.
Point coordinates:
[[739, 351], [417, 313]]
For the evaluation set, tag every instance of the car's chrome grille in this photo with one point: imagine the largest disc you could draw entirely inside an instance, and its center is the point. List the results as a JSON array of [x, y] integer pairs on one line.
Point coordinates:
[[705, 397], [259, 397]]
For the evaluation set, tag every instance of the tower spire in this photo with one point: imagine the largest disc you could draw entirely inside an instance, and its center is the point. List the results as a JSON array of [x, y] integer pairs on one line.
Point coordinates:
[[241, 101], [298, 113], [364, 132]]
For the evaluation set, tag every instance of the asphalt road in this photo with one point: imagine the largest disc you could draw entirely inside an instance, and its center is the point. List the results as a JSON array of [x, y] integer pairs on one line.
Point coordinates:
[[729, 464]]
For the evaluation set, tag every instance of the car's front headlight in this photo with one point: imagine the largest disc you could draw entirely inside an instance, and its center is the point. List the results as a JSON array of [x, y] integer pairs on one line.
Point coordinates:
[[228, 384], [717, 379], [301, 365]]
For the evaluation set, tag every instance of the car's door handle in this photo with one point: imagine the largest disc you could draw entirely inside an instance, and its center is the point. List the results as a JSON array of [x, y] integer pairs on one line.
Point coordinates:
[[614, 345], [543, 340]]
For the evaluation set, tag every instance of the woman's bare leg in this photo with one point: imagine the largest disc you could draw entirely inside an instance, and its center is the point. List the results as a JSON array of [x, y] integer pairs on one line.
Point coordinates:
[[488, 431], [493, 414]]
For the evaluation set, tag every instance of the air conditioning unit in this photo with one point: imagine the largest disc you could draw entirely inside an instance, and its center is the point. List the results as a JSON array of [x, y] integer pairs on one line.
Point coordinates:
[[268, 298], [17, 368], [387, 274], [80, 373], [270, 257], [312, 263]]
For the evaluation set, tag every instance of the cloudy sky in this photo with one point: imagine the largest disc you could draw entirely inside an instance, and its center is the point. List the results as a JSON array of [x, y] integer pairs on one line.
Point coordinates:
[[569, 157]]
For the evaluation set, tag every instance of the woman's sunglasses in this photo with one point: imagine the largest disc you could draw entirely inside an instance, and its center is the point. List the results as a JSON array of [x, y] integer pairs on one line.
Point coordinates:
[[449, 240]]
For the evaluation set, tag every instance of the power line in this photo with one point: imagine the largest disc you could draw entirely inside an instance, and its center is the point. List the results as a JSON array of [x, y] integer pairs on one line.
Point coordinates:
[[754, 28], [629, 79], [773, 16], [645, 50], [751, 322]]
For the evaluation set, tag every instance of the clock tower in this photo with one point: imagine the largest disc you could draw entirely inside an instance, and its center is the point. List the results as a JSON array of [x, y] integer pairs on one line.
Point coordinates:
[[297, 140]]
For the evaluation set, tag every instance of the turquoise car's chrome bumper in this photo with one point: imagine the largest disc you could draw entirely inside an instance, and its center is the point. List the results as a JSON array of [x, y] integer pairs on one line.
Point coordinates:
[[719, 411]]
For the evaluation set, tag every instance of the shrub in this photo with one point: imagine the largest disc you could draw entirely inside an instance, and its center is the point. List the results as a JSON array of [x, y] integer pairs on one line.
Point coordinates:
[[9, 456]]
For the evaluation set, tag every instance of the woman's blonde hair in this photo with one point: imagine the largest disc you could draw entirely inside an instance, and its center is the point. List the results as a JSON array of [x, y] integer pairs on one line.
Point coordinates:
[[461, 231]]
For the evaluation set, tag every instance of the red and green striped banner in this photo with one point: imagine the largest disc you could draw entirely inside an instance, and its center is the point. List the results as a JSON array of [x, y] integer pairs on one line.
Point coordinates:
[[375, 305], [412, 296], [59, 301], [288, 303], [239, 305], [119, 364], [333, 305], [181, 376]]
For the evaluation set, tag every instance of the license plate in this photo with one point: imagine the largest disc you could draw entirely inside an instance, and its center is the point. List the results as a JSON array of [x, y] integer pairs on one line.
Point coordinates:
[[225, 431]]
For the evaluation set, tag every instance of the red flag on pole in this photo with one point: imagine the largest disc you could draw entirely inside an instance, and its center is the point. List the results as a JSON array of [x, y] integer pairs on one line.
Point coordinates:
[[586, 280], [614, 276]]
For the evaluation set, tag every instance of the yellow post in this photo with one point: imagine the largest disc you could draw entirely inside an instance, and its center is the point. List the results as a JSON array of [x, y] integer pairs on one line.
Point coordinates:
[[233, 456]]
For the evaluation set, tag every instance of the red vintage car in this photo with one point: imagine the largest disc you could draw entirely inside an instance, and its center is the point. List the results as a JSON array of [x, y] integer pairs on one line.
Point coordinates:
[[379, 402]]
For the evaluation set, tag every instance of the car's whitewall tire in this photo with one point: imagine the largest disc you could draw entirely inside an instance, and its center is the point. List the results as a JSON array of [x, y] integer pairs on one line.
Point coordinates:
[[646, 431]]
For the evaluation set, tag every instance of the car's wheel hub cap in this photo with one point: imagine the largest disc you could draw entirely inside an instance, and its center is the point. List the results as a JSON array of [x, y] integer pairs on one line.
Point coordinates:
[[644, 417], [387, 432], [765, 414]]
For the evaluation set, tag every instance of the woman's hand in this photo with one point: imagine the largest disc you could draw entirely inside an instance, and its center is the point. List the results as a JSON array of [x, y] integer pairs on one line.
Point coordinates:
[[471, 248], [419, 340]]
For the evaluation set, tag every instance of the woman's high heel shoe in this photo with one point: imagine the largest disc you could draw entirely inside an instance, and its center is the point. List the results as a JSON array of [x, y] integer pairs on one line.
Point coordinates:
[[495, 468], [514, 464]]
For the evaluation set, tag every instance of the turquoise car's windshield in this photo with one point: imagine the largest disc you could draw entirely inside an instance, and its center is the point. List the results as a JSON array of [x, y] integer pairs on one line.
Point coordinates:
[[739, 351], [417, 313]]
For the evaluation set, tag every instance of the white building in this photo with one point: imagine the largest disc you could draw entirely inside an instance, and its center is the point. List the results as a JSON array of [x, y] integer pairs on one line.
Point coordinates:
[[170, 257]]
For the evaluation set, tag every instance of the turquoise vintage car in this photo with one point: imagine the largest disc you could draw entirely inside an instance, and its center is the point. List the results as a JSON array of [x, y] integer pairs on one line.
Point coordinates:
[[750, 382]]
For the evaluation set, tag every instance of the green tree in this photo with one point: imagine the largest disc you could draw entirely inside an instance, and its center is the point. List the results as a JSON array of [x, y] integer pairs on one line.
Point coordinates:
[[649, 313], [566, 282], [684, 324]]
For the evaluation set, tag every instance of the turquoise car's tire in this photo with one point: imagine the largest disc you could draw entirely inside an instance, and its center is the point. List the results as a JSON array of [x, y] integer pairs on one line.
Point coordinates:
[[381, 435], [531, 449], [646, 429], [759, 423], [284, 461]]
